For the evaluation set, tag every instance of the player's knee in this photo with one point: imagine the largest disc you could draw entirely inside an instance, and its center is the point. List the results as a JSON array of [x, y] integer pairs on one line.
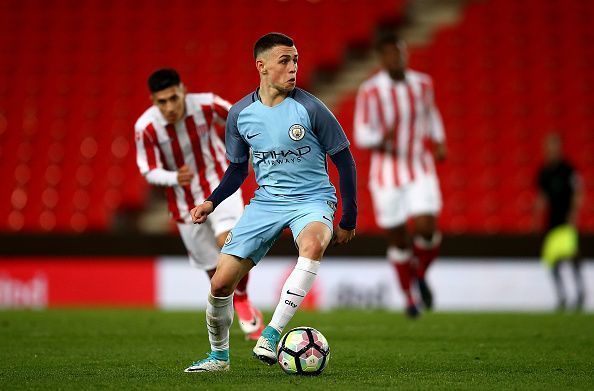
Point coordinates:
[[220, 287], [399, 237], [425, 227], [426, 234], [311, 248], [401, 241]]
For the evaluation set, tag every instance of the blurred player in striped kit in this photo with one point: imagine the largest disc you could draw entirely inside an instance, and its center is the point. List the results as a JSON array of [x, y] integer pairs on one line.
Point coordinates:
[[396, 118], [178, 148]]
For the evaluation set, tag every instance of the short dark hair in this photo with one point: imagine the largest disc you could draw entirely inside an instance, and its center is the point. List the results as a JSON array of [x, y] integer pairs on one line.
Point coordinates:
[[163, 78], [386, 37], [271, 40]]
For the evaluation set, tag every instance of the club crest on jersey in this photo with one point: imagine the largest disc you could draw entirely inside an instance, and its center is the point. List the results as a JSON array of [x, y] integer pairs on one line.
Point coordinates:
[[296, 132], [332, 205], [229, 237]]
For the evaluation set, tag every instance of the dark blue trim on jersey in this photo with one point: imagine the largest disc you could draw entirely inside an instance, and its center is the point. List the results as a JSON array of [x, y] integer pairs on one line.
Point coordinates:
[[257, 94], [347, 172], [238, 149], [230, 183], [327, 128]]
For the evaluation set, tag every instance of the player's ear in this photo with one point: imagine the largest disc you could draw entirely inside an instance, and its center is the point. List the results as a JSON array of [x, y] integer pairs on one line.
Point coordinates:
[[260, 66], [183, 88]]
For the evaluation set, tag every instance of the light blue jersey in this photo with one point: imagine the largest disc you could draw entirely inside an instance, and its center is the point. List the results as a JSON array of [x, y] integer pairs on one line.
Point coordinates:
[[288, 143]]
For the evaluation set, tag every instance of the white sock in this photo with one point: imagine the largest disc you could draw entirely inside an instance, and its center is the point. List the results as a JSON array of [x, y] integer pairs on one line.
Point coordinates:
[[397, 255], [425, 244], [219, 316], [294, 290]]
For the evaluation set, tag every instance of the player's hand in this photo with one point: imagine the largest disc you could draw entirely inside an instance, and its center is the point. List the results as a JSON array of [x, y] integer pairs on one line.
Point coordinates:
[[440, 152], [387, 144], [184, 175], [342, 236], [200, 213]]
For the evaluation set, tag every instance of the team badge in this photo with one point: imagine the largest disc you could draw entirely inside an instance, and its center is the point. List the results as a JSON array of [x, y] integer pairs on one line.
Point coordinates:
[[296, 132], [229, 238]]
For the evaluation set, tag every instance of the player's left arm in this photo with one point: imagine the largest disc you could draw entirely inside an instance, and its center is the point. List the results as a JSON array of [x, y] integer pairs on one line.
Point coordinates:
[[436, 128], [347, 172], [332, 137]]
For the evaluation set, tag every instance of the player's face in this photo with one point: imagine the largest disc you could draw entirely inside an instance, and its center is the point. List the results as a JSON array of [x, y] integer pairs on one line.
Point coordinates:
[[171, 102], [280, 67], [394, 58]]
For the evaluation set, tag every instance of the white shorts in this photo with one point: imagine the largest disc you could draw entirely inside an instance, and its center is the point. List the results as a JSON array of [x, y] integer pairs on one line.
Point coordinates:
[[393, 206], [201, 239]]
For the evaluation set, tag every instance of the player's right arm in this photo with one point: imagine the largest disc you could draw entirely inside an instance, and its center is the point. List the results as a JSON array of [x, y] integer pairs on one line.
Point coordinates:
[[369, 128], [149, 162]]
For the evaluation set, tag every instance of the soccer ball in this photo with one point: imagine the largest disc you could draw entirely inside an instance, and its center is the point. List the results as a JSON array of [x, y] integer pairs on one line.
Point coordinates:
[[303, 351]]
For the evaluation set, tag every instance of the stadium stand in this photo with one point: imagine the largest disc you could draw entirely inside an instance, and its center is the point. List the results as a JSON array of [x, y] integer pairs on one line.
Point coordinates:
[[72, 83]]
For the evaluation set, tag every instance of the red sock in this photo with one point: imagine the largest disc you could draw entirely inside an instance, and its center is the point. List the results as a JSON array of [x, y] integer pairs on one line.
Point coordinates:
[[241, 288], [403, 271], [426, 252], [240, 300], [401, 260]]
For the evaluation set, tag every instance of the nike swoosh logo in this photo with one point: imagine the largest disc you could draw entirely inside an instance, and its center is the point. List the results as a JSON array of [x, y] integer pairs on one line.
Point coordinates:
[[327, 218], [262, 347], [295, 294], [251, 136]]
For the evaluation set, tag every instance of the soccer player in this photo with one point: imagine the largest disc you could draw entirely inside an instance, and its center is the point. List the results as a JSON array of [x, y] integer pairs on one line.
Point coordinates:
[[289, 133], [178, 147], [560, 188], [396, 118]]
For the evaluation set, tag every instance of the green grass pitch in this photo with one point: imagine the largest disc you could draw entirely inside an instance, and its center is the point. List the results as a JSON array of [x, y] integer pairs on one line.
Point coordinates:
[[144, 349]]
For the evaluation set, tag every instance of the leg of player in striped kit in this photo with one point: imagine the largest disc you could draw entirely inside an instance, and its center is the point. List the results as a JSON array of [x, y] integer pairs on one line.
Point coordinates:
[[400, 256], [427, 241], [392, 211], [251, 320], [425, 205]]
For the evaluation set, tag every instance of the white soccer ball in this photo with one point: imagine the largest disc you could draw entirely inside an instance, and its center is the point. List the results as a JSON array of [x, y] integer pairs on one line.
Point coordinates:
[[303, 351]]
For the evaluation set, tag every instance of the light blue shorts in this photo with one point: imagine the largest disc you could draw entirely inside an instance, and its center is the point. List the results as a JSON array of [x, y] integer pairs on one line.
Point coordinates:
[[262, 223]]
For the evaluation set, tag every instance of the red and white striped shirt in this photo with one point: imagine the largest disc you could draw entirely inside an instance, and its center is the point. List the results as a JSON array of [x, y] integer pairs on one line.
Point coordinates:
[[192, 141], [409, 109]]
